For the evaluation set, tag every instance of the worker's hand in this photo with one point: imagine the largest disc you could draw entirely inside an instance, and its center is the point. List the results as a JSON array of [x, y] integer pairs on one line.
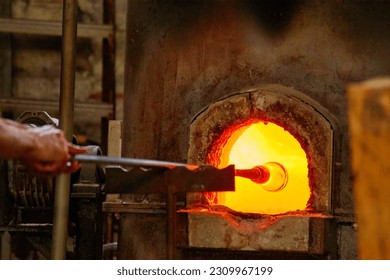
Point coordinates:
[[50, 152]]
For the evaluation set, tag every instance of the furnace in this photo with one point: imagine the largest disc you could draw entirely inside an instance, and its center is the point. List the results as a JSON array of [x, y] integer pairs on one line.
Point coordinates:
[[272, 126]]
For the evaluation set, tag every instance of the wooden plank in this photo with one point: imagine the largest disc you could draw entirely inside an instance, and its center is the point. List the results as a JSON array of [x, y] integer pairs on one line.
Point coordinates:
[[114, 146], [98, 109], [114, 138], [53, 28], [369, 116]]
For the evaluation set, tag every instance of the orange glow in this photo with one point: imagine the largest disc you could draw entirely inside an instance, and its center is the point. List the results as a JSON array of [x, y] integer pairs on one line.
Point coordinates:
[[259, 144]]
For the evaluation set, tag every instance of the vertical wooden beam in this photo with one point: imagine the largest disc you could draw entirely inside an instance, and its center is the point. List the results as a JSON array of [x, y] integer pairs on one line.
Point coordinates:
[[108, 74], [108, 81], [5, 54], [5, 92], [369, 116], [114, 138], [113, 149]]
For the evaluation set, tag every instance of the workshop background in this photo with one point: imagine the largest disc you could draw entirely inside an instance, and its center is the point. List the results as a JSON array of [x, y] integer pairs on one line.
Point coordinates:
[[30, 61], [183, 77]]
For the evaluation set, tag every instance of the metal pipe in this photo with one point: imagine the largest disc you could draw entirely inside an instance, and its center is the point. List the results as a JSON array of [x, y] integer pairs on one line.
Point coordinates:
[[106, 160], [271, 176], [258, 174], [68, 62]]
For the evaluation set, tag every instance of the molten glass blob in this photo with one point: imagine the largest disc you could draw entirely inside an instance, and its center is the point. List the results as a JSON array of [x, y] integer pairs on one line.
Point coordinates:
[[274, 150], [271, 176]]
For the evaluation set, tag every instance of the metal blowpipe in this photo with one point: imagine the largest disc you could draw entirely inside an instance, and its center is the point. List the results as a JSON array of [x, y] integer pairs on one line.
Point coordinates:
[[271, 176]]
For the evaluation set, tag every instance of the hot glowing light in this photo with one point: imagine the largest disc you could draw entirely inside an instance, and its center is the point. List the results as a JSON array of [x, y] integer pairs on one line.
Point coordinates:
[[258, 144]]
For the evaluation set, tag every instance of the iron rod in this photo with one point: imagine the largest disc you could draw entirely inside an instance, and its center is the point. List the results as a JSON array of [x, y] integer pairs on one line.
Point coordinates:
[[68, 61], [258, 174], [106, 160]]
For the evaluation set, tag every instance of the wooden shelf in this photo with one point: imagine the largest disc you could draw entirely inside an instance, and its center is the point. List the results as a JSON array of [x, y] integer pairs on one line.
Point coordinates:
[[97, 109], [105, 109], [53, 28]]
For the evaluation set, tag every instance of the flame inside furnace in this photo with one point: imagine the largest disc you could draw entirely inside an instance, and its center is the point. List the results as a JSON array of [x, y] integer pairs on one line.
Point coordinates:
[[257, 144]]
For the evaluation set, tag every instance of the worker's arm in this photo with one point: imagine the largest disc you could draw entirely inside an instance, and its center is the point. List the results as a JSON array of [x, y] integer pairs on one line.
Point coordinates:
[[42, 149]]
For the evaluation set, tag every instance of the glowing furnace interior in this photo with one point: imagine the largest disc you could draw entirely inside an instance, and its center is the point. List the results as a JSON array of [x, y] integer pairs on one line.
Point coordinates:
[[260, 143]]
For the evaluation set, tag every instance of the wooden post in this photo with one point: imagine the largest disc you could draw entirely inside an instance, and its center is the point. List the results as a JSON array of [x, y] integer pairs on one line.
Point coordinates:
[[114, 138], [369, 116], [114, 149], [5, 54]]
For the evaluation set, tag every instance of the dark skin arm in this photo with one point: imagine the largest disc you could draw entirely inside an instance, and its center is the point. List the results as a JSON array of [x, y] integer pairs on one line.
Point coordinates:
[[43, 150]]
